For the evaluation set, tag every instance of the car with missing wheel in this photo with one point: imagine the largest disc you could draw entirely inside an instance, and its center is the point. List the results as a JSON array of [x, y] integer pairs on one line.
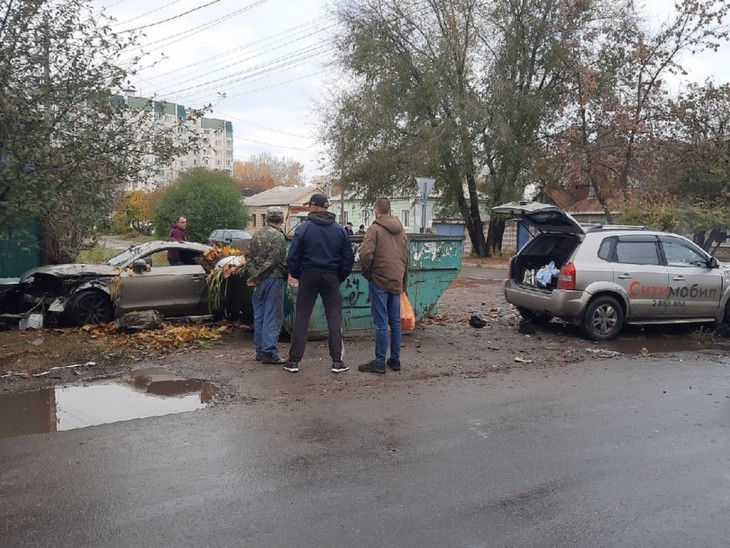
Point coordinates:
[[601, 277], [138, 278]]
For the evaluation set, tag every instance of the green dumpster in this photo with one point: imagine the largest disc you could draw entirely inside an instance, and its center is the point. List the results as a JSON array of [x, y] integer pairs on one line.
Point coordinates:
[[434, 262]]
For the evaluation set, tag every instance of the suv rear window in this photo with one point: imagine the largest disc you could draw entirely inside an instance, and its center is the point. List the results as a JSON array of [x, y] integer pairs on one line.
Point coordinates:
[[637, 252]]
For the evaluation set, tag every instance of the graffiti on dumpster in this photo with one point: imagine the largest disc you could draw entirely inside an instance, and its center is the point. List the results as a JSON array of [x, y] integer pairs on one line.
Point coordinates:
[[355, 292], [428, 252]]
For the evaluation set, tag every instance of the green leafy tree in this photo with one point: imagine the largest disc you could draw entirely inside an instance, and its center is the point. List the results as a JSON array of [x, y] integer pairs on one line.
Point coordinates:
[[207, 199], [68, 145], [456, 90]]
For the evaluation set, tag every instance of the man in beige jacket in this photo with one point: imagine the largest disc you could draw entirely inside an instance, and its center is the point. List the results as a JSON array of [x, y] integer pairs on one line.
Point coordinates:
[[384, 263]]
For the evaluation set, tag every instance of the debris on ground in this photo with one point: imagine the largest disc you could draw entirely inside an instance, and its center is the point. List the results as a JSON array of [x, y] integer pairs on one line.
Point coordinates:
[[476, 321], [527, 327], [602, 353], [144, 320]]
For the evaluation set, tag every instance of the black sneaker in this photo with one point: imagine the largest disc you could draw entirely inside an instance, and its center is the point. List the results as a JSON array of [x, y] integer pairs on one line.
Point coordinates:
[[291, 366], [339, 367], [259, 357], [274, 360], [372, 367], [394, 364]]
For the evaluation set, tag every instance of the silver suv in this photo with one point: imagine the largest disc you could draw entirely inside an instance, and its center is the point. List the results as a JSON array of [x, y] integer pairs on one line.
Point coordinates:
[[601, 277]]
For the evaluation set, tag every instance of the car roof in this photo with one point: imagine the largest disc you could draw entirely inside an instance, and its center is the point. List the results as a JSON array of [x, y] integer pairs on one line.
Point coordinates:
[[153, 247], [243, 233]]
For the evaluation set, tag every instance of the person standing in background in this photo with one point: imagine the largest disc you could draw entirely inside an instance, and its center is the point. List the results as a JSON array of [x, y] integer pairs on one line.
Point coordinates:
[[177, 234], [321, 258], [384, 264], [267, 273]]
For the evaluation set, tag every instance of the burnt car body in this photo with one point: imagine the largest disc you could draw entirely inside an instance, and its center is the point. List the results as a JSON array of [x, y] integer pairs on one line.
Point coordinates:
[[138, 278]]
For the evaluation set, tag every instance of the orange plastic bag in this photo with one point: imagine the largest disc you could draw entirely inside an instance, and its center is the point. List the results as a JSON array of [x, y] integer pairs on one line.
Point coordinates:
[[407, 315]]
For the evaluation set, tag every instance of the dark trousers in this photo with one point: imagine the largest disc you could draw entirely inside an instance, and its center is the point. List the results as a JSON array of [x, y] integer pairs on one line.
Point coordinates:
[[326, 285]]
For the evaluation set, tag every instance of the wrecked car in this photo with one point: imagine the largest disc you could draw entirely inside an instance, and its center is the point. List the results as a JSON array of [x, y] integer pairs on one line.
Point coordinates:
[[601, 277], [139, 278]]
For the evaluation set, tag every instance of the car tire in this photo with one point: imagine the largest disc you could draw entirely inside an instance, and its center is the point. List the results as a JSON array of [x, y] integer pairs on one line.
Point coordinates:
[[89, 307], [603, 318], [723, 329], [534, 317]]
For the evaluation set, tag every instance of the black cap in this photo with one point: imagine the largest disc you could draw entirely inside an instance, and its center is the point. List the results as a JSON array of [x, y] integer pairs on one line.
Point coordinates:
[[319, 200]]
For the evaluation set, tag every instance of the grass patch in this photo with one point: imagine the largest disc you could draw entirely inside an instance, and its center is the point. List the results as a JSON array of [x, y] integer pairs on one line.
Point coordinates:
[[97, 255], [704, 335], [34, 351]]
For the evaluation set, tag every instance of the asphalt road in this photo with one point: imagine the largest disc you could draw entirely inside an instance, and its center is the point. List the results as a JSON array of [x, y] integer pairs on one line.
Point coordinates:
[[628, 452]]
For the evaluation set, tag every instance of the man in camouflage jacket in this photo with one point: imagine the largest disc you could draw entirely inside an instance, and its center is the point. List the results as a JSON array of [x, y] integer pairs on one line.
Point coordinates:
[[267, 274]]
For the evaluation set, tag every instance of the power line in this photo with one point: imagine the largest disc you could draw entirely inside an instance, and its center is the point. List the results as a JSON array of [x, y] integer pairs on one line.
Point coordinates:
[[173, 17], [144, 14], [252, 43], [266, 66], [204, 94], [271, 144], [234, 61], [277, 84], [200, 28], [260, 126]]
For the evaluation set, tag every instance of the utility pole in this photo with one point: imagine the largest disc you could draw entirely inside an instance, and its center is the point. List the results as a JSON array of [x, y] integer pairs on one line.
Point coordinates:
[[425, 186]]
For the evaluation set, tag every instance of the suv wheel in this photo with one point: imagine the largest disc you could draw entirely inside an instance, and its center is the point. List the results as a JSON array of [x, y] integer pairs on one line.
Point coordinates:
[[603, 318]]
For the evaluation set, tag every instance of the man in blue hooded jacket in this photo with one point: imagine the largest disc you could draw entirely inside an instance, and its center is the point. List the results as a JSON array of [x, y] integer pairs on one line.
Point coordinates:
[[320, 257]]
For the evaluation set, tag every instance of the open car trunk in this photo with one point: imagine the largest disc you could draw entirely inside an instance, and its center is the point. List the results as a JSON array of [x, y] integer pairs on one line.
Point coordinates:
[[538, 263]]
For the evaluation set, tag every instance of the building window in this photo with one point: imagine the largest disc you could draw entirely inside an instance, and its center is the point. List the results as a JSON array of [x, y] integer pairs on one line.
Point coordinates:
[[404, 217], [253, 220]]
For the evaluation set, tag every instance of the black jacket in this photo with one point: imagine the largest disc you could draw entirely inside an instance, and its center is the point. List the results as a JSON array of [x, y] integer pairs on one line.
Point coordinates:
[[320, 245]]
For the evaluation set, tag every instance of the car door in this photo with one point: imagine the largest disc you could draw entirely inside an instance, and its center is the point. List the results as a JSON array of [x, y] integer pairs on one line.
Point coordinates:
[[695, 287], [640, 271], [172, 290]]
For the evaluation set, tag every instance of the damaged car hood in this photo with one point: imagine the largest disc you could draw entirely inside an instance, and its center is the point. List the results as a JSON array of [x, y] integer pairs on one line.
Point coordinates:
[[71, 271]]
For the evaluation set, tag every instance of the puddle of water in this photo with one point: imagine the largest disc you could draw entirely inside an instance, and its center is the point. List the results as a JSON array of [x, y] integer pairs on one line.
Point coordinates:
[[660, 344], [148, 393]]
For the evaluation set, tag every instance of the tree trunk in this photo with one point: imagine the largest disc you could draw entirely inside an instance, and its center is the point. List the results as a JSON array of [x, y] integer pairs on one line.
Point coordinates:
[[474, 222], [495, 234]]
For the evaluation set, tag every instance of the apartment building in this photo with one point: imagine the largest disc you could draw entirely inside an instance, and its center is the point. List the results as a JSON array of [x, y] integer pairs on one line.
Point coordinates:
[[216, 151]]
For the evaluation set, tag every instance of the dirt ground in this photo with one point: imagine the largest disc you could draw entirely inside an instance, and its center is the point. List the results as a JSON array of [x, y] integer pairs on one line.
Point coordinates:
[[442, 345]]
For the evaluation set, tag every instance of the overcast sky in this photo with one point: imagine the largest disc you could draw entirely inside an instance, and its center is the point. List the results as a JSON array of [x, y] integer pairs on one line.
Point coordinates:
[[269, 59]]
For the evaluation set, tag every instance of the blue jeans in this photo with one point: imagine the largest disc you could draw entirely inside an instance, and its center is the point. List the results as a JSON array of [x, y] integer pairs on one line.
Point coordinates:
[[385, 308], [268, 315]]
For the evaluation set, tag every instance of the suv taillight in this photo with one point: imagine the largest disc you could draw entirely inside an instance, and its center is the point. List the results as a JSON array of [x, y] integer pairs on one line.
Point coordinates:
[[566, 278]]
